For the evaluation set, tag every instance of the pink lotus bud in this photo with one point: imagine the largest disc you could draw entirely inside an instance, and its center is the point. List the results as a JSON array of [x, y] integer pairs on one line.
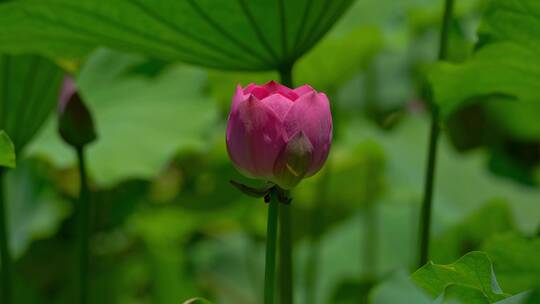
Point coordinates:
[[75, 122], [279, 134]]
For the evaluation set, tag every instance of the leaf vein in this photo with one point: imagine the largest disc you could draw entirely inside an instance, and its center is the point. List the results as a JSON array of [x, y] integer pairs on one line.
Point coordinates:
[[161, 43], [257, 30], [224, 33], [307, 9], [176, 28]]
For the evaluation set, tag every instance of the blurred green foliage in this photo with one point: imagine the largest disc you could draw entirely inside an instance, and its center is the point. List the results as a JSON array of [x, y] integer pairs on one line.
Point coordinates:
[[128, 110], [515, 260], [167, 227], [7, 151], [505, 62]]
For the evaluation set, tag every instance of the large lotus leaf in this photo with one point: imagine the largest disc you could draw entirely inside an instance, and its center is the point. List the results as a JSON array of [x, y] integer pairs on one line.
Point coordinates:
[[224, 34], [470, 280], [473, 270], [400, 289], [506, 62], [141, 121], [28, 92], [34, 207], [330, 65]]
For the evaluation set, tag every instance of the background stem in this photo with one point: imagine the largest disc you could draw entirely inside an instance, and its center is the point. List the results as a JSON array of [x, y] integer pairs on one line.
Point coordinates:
[[4, 247], [271, 240], [425, 220], [84, 231], [285, 255], [285, 229]]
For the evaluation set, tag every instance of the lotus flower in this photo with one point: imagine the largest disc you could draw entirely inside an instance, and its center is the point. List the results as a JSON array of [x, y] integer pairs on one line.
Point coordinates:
[[279, 134]]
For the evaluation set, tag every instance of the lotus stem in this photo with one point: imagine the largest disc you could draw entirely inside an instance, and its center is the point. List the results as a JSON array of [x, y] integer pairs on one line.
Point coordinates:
[[427, 202], [271, 240], [4, 245], [84, 231]]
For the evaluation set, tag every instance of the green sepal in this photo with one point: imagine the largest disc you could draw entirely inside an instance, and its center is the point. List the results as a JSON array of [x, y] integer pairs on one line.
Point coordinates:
[[252, 191]]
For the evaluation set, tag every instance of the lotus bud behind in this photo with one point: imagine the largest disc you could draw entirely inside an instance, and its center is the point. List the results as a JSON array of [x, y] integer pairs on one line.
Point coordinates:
[[75, 122]]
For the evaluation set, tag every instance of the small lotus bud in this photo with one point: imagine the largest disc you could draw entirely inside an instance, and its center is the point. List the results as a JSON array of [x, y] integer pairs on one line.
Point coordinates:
[[75, 122], [279, 134]]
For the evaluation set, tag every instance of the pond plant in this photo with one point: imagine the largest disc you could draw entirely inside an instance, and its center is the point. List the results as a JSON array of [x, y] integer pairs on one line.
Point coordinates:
[[340, 84], [279, 135]]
